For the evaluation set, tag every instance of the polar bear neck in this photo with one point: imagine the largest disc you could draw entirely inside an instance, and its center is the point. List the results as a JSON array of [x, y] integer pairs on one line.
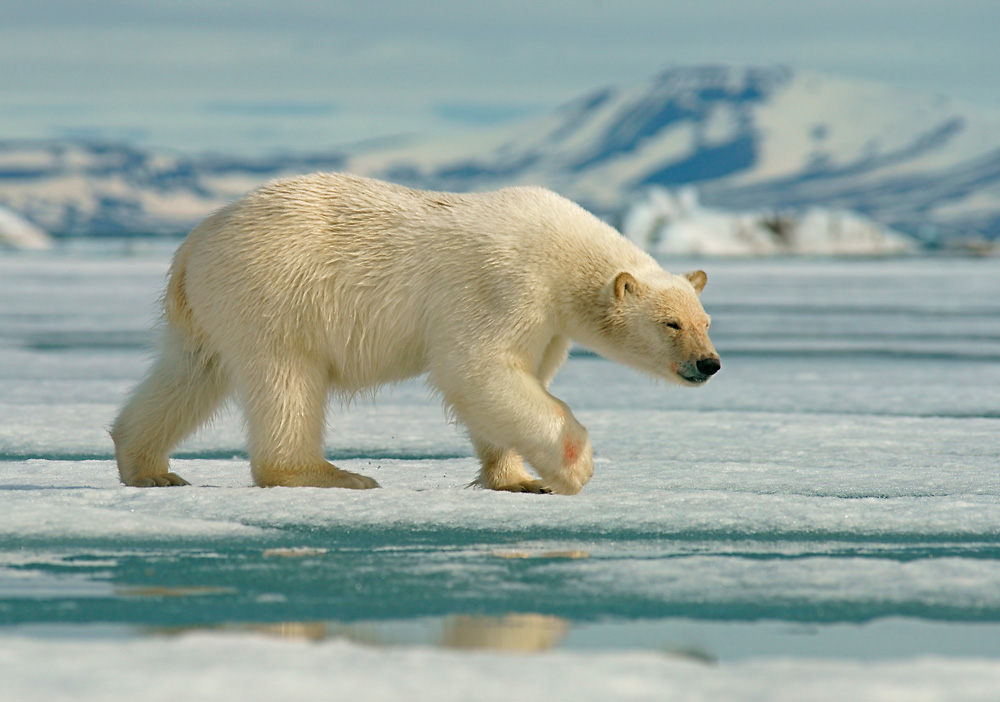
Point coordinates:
[[589, 255]]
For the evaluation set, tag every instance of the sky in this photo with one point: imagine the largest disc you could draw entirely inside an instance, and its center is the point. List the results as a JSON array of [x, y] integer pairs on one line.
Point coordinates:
[[256, 76]]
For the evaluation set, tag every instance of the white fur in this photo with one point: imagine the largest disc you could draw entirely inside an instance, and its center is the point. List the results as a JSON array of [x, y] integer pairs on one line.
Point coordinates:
[[331, 281]]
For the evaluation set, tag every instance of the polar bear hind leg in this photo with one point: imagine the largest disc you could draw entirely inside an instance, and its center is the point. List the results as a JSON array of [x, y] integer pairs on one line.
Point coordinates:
[[285, 404], [182, 391]]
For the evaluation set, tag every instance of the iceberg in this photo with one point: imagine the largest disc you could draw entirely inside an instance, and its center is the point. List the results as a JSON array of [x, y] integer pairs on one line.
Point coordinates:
[[676, 223], [20, 233]]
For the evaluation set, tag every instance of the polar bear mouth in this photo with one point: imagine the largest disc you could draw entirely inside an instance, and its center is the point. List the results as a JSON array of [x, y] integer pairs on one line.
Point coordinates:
[[694, 379]]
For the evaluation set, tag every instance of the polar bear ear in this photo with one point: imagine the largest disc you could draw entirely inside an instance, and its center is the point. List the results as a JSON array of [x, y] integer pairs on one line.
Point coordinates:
[[625, 283], [698, 280]]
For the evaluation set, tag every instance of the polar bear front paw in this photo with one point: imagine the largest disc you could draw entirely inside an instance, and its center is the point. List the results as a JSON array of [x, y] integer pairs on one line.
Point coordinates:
[[577, 467], [566, 485]]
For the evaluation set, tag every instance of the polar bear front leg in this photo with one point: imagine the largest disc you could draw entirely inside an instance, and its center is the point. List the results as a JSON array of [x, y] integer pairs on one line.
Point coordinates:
[[285, 407], [508, 407], [572, 452]]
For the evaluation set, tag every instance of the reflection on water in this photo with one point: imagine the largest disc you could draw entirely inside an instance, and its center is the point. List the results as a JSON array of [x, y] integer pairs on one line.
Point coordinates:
[[704, 642], [571, 554], [161, 591], [293, 552], [511, 632], [514, 632]]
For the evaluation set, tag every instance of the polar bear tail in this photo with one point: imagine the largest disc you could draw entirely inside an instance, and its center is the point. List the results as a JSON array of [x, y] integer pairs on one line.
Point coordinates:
[[176, 308]]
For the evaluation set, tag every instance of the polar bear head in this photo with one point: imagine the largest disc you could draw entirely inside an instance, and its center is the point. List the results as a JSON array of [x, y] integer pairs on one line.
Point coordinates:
[[655, 323]]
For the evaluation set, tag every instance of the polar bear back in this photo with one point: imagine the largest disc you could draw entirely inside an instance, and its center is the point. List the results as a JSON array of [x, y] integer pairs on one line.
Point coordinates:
[[374, 277]]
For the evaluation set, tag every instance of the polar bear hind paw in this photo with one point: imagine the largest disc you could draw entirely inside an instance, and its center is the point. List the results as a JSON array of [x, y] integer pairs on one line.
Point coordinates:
[[354, 481], [325, 475], [158, 480]]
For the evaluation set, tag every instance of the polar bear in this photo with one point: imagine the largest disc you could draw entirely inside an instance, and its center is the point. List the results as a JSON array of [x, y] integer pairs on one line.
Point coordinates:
[[337, 282]]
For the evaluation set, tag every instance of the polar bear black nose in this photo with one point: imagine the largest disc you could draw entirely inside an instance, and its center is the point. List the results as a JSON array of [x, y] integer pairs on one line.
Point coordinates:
[[709, 366]]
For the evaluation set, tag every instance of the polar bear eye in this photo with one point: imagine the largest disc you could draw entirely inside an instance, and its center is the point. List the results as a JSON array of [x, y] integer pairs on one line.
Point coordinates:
[[673, 325]]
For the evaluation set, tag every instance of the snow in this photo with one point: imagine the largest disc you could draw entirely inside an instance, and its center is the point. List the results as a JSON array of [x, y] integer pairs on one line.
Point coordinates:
[[260, 669], [821, 521]]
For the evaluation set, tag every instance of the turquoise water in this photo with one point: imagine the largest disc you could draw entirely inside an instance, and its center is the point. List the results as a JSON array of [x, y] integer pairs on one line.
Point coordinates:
[[405, 586]]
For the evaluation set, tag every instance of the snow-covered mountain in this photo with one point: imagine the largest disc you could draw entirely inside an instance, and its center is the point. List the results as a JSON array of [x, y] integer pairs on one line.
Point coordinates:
[[749, 138], [90, 188]]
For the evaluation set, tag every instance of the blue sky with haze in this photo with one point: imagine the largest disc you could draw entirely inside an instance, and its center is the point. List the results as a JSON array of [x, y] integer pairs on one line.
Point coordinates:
[[248, 76]]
